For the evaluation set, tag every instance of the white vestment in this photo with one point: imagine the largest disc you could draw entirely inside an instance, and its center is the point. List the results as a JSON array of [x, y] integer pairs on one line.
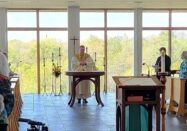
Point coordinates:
[[4, 68], [83, 88]]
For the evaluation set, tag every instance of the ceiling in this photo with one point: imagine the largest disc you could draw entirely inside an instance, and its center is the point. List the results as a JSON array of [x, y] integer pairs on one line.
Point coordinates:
[[94, 3]]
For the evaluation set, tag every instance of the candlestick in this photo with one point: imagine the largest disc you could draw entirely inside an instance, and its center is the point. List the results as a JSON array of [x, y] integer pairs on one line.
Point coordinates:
[[52, 57], [59, 51], [44, 61], [104, 61], [86, 49], [95, 57]]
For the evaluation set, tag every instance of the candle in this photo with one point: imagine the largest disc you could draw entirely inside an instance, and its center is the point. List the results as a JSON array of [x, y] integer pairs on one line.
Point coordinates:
[[103, 61], [86, 49], [95, 56], [59, 51], [162, 63], [52, 57], [44, 61]]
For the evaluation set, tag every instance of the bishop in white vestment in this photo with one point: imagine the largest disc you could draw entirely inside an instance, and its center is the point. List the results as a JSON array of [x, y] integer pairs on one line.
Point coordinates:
[[82, 62]]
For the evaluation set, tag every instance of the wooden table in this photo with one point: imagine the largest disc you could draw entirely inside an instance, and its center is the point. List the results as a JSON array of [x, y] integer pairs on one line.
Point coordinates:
[[143, 85], [93, 76]]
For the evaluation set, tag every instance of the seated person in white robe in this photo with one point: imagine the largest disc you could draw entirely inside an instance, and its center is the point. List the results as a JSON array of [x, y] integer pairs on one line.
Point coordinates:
[[82, 62]]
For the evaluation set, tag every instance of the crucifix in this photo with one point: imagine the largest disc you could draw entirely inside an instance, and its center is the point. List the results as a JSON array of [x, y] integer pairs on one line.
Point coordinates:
[[74, 40]]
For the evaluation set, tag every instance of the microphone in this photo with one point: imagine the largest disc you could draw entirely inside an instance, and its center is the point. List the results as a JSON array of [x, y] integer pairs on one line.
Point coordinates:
[[147, 68]]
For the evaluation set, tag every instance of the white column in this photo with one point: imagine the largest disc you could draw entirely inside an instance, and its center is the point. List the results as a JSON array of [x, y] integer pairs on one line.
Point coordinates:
[[3, 30], [137, 42], [73, 31]]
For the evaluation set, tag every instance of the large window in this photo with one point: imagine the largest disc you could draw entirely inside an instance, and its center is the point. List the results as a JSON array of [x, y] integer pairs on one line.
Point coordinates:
[[91, 19], [179, 36], [24, 43], [120, 19], [179, 19], [155, 18], [120, 55], [179, 44], [53, 19], [120, 41], [50, 42], [111, 38], [23, 58], [21, 19], [152, 41], [154, 36]]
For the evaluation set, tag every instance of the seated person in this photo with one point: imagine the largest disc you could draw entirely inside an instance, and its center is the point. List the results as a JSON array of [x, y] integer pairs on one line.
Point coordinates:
[[183, 71], [82, 62], [5, 93]]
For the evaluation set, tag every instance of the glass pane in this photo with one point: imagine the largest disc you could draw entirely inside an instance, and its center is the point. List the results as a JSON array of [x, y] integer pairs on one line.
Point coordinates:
[[120, 55], [120, 19], [53, 19], [156, 19], [179, 44], [179, 19], [152, 42], [50, 42], [94, 41], [91, 19], [22, 52], [21, 19]]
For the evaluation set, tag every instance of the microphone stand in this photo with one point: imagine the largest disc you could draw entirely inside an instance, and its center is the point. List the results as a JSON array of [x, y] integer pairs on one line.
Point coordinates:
[[147, 68]]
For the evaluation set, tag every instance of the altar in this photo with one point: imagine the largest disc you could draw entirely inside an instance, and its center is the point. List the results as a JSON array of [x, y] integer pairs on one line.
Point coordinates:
[[79, 76]]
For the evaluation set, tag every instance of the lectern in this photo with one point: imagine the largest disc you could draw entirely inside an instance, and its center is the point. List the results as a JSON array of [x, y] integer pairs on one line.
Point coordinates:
[[135, 99]]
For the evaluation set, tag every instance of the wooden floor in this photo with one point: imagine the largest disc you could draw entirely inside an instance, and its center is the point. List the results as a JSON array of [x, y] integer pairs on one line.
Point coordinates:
[[55, 112]]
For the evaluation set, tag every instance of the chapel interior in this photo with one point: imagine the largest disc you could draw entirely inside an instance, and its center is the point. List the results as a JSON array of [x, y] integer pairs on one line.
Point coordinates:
[[93, 65]]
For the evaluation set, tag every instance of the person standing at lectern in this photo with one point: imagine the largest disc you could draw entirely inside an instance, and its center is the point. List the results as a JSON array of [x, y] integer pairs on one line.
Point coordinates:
[[82, 62], [167, 62]]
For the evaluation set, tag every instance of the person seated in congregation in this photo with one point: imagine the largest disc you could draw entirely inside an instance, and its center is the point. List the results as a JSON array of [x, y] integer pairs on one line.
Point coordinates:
[[167, 62], [6, 96], [82, 62], [183, 71]]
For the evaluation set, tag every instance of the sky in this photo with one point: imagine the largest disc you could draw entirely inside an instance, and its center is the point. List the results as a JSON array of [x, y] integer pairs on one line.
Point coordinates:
[[89, 19]]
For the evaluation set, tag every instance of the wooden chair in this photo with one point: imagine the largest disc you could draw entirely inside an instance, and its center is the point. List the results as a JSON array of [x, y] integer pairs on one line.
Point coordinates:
[[15, 114]]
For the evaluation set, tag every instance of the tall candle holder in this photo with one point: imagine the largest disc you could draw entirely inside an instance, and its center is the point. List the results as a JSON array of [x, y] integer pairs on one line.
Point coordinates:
[[44, 76], [56, 73], [52, 61], [60, 57]]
